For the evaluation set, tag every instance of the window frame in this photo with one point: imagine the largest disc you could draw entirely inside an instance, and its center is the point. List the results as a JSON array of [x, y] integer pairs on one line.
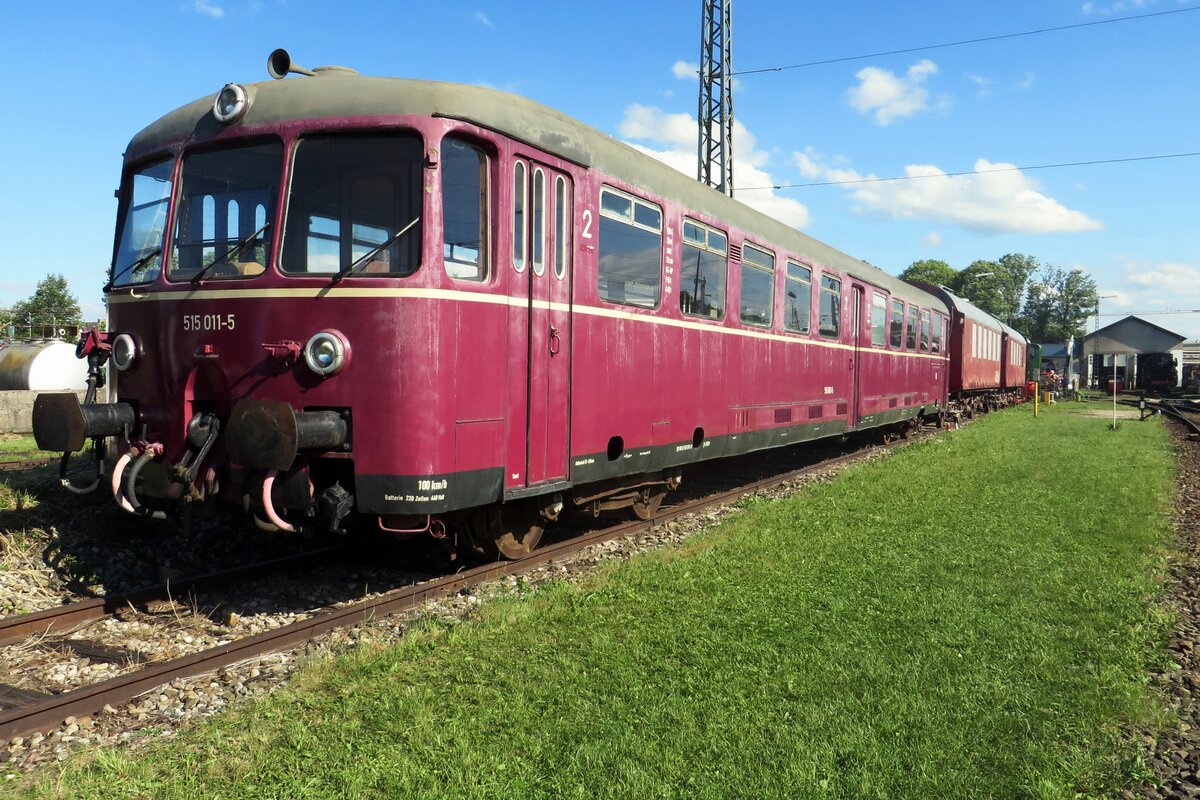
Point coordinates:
[[896, 334], [564, 222], [539, 238], [879, 302], [518, 220], [836, 293], [748, 246], [707, 247], [485, 210], [270, 240], [788, 279], [632, 220]]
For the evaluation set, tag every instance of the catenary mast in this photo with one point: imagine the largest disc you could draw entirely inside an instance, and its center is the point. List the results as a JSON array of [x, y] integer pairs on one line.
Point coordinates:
[[715, 154]]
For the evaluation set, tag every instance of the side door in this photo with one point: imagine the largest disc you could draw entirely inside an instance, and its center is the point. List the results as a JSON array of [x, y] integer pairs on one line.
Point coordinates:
[[547, 272], [860, 326]]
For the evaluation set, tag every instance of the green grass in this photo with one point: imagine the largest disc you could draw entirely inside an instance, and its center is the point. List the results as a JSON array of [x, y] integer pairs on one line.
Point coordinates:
[[972, 617], [17, 447]]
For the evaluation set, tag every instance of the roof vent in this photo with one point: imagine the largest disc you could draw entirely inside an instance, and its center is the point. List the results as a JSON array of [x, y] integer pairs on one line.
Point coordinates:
[[335, 71]]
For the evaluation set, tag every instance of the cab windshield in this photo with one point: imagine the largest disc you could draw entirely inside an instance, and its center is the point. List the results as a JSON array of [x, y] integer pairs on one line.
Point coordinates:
[[142, 225], [353, 203], [226, 202]]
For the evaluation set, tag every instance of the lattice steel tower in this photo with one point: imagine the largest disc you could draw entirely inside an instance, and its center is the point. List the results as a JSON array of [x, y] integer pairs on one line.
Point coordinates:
[[715, 156]]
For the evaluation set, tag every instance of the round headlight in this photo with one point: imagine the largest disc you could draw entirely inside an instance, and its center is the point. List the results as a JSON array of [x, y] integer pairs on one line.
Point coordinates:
[[231, 103], [124, 352], [325, 353]]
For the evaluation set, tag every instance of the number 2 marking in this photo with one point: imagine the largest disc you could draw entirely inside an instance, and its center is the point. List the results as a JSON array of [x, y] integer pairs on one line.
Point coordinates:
[[587, 223]]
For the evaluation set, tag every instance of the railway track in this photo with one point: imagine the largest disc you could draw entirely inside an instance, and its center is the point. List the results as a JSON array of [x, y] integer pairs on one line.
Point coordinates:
[[32, 712], [74, 616], [1186, 412], [26, 463]]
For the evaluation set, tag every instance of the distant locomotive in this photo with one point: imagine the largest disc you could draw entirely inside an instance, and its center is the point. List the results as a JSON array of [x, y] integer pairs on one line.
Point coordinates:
[[443, 308]]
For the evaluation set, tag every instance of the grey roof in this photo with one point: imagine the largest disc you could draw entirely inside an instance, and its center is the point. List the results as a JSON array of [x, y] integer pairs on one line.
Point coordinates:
[[1131, 335], [969, 309], [335, 93]]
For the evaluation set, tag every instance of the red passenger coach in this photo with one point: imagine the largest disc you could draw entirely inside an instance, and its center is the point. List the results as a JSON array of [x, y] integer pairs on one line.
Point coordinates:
[[987, 365], [444, 308]]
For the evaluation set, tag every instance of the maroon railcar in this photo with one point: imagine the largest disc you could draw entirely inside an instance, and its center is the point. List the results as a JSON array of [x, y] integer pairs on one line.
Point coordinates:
[[443, 307], [987, 362]]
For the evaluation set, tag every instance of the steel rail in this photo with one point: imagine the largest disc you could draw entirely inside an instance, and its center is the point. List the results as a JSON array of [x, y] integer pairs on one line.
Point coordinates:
[[48, 713], [65, 618], [18, 466]]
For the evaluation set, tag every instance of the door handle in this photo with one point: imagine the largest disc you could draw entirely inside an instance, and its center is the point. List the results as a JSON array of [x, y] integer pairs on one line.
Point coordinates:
[[555, 341]]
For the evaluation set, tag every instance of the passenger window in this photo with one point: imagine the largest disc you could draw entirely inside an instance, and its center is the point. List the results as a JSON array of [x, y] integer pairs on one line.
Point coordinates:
[[464, 210], [518, 222], [797, 306], [703, 267], [896, 334], [630, 249], [924, 331], [937, 333], [878, 319], [914, 325], [758, 286], [831, 307]]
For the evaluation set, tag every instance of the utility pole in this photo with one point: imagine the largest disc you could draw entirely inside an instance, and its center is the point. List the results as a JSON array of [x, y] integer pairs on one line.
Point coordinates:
[[715, 156]]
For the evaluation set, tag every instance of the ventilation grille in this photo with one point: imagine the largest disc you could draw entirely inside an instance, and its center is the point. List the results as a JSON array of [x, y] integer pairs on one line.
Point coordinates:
[[841, 409], [783, 415], [814, 412], [735, 252]]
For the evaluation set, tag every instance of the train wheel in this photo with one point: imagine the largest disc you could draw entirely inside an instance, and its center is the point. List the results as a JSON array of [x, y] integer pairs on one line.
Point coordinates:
[[647, 502], [518, 531]]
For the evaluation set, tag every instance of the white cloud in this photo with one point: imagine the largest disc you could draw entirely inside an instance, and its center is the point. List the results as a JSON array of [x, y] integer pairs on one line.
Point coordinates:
[[674, 140], [208, 9], [1025, 82], [983, 86], [483, 19], [890, 97], [1168, 278], [934, 239], [685, 70], [1119, 7], [1001, 199]]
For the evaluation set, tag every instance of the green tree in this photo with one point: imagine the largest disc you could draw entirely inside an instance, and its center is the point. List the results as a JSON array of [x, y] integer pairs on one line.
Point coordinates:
[[998, 287], [930, 270], [1058, 303], [1016, 269], [50, 306], [980, 283]]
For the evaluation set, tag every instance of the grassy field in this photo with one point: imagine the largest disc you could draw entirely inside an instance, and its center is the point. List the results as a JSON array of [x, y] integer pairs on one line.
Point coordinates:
[[18, 447], [970, 617]]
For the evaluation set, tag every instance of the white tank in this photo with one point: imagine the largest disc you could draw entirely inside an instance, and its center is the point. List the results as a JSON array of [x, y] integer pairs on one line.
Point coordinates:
[[47, 366]]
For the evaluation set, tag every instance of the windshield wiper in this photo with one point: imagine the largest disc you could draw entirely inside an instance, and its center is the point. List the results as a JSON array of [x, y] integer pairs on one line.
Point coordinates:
[[237, 248], [141, 262], [367, 256]]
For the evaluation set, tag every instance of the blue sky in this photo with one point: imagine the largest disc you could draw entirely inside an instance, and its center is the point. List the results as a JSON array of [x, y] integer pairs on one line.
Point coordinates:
[[82, 78]]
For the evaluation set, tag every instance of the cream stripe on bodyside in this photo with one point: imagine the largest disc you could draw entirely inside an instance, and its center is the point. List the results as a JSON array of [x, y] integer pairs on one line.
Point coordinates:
[[454, 295]]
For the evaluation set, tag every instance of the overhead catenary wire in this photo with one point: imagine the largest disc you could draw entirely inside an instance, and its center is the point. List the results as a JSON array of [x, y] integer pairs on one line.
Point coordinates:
[[940, 174], [961, 42]]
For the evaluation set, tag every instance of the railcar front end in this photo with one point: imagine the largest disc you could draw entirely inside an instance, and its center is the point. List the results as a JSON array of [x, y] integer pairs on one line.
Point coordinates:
[[295, 302]]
